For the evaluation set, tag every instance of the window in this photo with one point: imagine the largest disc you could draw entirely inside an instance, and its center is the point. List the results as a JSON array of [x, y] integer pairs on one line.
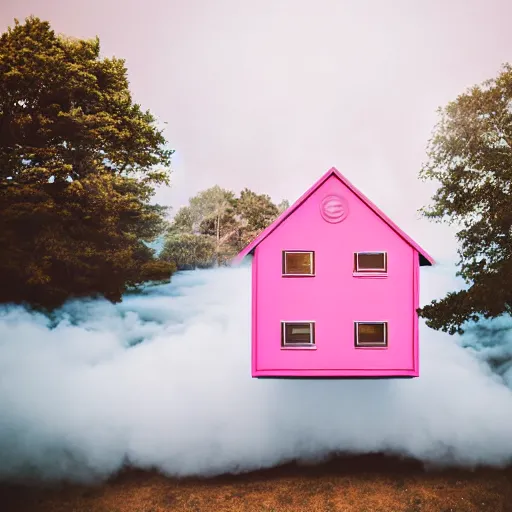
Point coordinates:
[[371, 334], [371, 262], [298, 263], [298, 334]]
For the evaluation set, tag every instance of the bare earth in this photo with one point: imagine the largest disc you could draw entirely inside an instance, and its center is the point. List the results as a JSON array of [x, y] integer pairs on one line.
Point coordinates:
[[360, 484]]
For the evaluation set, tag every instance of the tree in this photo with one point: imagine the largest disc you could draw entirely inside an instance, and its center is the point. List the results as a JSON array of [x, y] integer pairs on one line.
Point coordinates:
[[208, 214], [283, 205], [223, 229], [254, 212], [208, 208], [182, 222], [470, 154], [232, 222], [189, 251], [78, 163]]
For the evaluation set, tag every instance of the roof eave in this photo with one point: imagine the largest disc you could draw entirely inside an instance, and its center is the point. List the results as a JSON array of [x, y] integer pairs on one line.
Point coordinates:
[[426, 260]]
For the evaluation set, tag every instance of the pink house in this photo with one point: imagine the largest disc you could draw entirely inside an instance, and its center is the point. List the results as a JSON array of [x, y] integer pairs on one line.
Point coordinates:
[[335, 288]]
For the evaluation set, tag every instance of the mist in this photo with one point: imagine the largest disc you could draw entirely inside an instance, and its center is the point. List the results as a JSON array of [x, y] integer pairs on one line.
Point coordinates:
[[163, 381]]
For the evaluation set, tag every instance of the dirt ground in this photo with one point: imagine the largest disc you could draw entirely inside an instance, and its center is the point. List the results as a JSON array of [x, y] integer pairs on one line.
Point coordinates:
[[360, 484]]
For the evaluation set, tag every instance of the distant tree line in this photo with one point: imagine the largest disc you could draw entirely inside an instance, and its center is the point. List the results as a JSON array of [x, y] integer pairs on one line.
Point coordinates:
[[216, 225]]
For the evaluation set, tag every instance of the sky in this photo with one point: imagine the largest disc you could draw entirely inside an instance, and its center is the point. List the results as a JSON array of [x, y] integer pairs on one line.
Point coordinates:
[[271, 94]]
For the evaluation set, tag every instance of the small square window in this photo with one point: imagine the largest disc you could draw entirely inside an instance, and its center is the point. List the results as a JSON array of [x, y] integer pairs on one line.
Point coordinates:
[[297, 334], [298, 263], [370, 262], [371, 334]]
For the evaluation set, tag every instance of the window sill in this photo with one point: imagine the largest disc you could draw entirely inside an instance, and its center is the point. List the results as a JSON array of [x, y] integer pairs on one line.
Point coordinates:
[[297, 275], [370, 274], [298, 348]]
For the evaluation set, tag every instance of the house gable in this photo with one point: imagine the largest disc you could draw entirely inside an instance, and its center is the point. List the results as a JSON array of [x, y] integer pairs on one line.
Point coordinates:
[[334, 210]]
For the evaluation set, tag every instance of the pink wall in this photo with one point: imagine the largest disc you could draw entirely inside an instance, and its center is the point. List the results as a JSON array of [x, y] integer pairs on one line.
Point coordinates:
[[334, 298]]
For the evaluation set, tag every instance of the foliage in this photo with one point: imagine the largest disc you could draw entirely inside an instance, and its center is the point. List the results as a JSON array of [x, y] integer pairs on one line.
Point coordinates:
[[182, 222], [189, 251], [470, 154], [78, 162], [255, 212], [211, 211], [226, 222], [283, 205]]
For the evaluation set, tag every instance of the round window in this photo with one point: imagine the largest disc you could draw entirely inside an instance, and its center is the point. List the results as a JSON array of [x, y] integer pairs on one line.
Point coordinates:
[[334, 208]]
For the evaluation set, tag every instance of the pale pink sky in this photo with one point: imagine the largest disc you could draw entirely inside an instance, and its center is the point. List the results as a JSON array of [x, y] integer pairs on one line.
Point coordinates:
[[270, 94]]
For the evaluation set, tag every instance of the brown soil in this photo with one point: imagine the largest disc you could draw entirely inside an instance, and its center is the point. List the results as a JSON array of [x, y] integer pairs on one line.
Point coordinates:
[[360, 484]]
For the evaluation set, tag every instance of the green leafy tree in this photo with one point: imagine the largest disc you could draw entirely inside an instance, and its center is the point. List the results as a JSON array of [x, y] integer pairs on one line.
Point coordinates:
[[78, 163], [183, 221], [210, 208], [189, 251], [232, 222], [256, 210], [226, 247], [254, 213], [470, 155]]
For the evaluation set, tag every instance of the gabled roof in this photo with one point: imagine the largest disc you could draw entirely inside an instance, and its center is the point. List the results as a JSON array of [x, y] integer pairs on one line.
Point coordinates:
[[425, 258]]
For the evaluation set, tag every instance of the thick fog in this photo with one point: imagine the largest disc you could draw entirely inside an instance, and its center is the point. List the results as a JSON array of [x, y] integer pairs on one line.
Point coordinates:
[[163, 380]]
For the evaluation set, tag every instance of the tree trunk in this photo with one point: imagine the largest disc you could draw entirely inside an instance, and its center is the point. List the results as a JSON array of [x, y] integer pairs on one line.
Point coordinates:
[[218, 241]]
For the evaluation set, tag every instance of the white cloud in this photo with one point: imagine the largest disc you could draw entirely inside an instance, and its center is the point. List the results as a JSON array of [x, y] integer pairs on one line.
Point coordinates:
[[163, 380]]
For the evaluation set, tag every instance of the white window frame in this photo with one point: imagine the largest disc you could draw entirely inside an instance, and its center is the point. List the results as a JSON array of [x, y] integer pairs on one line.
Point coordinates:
[[364, 345], [372, 272], [294, 346], [311, 265]]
